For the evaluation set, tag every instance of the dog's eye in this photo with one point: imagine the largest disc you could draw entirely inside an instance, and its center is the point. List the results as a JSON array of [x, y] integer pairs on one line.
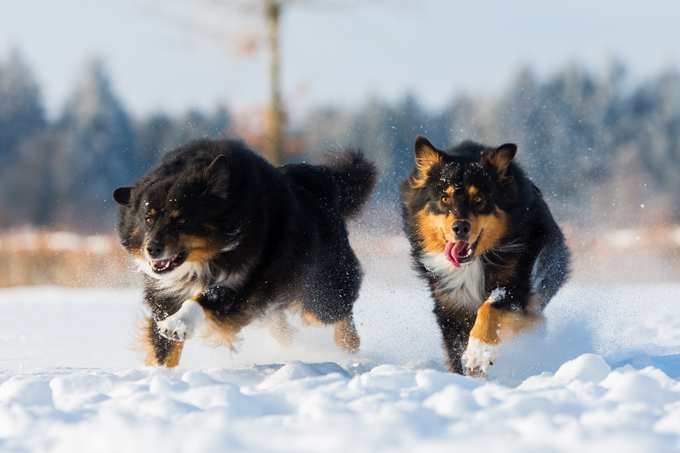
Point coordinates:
[[181, 221], [478, 199], [149, 221], [445, 199]]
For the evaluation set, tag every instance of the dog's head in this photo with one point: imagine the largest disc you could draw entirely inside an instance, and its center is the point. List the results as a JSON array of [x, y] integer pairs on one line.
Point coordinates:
[[457, 198], [173, 223]]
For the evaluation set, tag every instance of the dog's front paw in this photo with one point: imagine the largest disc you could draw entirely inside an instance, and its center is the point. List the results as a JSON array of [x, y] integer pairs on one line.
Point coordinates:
[[175, 329], [187, 323], [479, 356]]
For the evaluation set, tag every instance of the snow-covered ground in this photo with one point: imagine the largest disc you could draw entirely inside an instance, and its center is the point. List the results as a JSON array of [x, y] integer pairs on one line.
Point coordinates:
[[602, 375]]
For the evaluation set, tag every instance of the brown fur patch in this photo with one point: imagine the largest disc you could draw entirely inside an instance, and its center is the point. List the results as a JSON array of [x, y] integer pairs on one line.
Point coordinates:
[[426, 158], [194, 242], [225, 330], [200, 249], [145, 347], [279, 329], [137, 253], [494, 326], [473, 191], [311, 320], [176, 214], [172, 360], [492, 227], [344, 333], [435, 230], [346, 336], [153, 212], [143, 343], [501, 159], [307, 318]]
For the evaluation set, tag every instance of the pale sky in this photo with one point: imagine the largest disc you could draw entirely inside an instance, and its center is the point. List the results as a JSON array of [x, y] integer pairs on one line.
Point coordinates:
[[340, 56]]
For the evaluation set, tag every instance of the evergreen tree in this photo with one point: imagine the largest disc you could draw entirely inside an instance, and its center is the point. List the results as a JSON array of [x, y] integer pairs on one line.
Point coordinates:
[[100, 141], [22, 117], [160, 133], [21, 108]]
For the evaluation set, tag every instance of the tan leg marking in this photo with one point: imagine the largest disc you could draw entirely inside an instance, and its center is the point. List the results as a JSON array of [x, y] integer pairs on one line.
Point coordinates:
[[143, 343], [494, 326], [279, 329], [145, 347], [346, 336], [172, 360], [225, 331], [311, 320]]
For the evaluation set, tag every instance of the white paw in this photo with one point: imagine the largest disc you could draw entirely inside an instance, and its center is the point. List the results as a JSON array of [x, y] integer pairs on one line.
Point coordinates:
[[187, 323], [479, 356]]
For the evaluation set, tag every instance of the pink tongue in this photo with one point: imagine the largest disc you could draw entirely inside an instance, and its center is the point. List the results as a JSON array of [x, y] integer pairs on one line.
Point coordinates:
[[452, 250]]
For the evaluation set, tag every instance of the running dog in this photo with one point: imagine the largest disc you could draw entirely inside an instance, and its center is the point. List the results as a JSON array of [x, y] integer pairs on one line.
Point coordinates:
[[484, 239], [224, 238]]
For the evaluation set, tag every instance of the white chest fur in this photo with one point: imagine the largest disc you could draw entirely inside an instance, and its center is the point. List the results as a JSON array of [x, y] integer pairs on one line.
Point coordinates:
[[457, 288]]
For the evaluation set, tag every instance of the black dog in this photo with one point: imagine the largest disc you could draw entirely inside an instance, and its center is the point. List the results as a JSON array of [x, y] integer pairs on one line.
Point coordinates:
[[486, 242], [224, 238]]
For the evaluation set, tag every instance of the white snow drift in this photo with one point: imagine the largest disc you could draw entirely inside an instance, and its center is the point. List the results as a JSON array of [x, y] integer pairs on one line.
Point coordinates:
[[602, 376]]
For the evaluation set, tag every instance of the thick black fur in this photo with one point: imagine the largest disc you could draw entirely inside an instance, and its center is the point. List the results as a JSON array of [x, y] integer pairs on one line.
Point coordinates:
[[530, 261], [272, 236]]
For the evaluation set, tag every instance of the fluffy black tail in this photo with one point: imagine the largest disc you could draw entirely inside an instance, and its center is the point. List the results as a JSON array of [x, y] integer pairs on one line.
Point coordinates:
[[356, 178]]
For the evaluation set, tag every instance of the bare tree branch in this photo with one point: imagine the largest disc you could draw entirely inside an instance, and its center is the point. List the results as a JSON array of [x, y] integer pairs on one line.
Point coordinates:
[[216, 19]]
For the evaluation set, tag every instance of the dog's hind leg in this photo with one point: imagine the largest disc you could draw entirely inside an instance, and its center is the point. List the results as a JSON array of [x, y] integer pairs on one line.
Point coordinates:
[[279, 329], [158, 350], [345, 334]]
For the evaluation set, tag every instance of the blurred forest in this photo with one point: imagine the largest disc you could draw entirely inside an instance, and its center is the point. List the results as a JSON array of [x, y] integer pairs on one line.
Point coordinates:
[[605, 152]]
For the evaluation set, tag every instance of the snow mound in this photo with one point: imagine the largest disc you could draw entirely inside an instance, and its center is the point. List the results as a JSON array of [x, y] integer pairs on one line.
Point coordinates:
[[601, 375], [298, 370], [319, 407]]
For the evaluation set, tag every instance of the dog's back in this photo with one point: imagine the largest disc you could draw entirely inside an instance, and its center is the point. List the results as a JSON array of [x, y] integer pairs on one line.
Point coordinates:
[[325, 196], [344, 180]]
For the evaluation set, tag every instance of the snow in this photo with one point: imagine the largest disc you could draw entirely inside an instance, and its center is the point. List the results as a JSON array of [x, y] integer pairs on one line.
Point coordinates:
[[497, 295], [603, 374]]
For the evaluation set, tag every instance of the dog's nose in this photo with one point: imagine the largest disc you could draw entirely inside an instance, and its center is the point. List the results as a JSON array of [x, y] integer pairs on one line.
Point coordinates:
[[461, 229], [155, 249]]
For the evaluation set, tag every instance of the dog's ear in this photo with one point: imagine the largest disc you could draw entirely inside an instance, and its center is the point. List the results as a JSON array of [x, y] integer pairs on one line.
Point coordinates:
[[218, 176], [501, 157], [123, 196], [426, 156]]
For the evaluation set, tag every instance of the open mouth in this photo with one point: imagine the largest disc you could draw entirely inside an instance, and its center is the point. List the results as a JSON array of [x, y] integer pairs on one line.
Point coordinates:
[[461, 252], [168, 264]]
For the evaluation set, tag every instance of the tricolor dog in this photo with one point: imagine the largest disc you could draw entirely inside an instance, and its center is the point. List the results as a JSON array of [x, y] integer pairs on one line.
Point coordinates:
[[223, 238], [485, 241]]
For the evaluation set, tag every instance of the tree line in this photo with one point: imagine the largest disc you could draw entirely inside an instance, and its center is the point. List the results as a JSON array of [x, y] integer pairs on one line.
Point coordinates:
[[604, 151]]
